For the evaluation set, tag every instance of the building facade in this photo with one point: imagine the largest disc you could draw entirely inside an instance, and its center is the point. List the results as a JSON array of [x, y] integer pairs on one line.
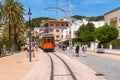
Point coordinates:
[[56, 28], [113, 18]]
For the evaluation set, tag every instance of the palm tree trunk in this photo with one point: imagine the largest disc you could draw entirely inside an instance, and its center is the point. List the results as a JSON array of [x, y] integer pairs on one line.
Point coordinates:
[[15, 39], [9, 28]]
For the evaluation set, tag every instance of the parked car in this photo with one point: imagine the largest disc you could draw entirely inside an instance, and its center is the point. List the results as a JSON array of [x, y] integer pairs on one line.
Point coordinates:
[[100, 50]]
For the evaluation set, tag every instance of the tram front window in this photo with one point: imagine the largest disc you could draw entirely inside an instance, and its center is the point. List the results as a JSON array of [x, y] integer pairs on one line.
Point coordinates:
[[48, 40], [52, 40]]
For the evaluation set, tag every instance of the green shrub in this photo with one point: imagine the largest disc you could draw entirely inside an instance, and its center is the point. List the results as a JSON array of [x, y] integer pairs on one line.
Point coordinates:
[[76, 41], [116, 44], [106, 33], [105, 45]]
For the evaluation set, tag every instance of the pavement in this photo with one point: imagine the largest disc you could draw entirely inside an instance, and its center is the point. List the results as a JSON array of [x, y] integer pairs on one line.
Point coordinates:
[[18, 67]]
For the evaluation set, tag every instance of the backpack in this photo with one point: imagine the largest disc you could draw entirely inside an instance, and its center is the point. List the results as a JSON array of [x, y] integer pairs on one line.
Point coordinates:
[[83, 48], [77, 47]]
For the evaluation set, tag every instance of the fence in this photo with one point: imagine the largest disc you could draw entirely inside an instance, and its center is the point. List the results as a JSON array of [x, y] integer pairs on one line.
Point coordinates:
[[111, 51]]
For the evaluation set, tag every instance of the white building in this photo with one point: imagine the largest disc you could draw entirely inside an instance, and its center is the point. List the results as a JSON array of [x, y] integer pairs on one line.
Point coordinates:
[[113, 18], [77, 23]]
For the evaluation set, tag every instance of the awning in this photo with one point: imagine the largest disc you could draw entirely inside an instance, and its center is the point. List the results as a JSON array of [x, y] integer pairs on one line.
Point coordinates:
[[61, 41]]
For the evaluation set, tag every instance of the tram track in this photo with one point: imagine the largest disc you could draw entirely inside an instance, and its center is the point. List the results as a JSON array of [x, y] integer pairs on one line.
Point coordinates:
[[51, 74], [60, 70]]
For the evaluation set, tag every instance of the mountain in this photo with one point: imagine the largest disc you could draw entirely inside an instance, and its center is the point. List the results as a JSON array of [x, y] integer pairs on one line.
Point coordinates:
[[36, 22], [92, 18]]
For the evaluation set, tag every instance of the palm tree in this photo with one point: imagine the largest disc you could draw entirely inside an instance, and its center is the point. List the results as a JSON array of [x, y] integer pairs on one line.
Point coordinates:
[[0, 10], [19, 35], [20, 31], [12, 13]]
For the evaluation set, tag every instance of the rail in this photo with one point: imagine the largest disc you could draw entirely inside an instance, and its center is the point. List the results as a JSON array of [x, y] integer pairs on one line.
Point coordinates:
[[52, 66]]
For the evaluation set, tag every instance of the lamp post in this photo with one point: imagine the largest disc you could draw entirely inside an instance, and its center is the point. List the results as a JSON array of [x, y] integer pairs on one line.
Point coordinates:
[[29, 14]]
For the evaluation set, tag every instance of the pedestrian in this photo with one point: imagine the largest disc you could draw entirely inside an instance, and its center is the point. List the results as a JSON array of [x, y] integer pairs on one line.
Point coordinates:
[[77, 50], [25, 47], [59, 45], [63, 47], [32, 51], [84, 49], [4, 50], [36, 47], [28, 50]]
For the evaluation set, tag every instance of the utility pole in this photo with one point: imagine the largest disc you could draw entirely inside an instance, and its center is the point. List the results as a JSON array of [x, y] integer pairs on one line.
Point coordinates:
[[69, 23]]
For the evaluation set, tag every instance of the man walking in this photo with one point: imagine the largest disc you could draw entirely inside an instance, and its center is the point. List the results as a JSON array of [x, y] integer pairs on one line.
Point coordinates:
[[77, 50]]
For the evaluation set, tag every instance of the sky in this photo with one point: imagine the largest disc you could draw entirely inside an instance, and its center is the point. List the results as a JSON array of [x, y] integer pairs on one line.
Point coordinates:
[[78, 7]]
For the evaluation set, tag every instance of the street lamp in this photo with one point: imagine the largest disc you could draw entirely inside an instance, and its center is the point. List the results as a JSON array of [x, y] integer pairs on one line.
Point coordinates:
[[29, 14]]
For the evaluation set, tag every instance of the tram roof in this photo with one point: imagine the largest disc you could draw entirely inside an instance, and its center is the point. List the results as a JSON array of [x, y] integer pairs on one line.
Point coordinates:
[[48, 35]]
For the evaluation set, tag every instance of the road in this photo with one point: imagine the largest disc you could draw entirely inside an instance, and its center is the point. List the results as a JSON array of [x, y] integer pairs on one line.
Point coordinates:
[[110, 68]]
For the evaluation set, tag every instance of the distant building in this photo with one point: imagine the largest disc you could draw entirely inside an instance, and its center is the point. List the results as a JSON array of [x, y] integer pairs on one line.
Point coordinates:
[[61, 29], [113, 18], [77, 23], [55, 27]]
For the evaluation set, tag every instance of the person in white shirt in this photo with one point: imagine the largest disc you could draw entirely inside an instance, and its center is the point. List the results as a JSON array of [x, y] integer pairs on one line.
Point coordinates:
[[84, 49]]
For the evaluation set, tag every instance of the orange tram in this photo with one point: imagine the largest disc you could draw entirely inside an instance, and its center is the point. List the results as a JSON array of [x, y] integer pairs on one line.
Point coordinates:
[[46, 42]]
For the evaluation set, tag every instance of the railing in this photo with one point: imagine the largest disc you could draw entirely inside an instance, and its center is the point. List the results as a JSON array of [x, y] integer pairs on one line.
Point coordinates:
[[111, 51]]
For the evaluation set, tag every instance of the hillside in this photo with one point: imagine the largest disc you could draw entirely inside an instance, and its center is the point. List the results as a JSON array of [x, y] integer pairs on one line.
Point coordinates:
[[93, 18]]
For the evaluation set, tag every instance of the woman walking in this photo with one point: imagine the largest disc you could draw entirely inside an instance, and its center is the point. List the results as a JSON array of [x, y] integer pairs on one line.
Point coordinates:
[[84, 48]]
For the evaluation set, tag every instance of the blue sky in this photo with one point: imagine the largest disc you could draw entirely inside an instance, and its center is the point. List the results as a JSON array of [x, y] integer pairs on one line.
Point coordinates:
[[78, 7]]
